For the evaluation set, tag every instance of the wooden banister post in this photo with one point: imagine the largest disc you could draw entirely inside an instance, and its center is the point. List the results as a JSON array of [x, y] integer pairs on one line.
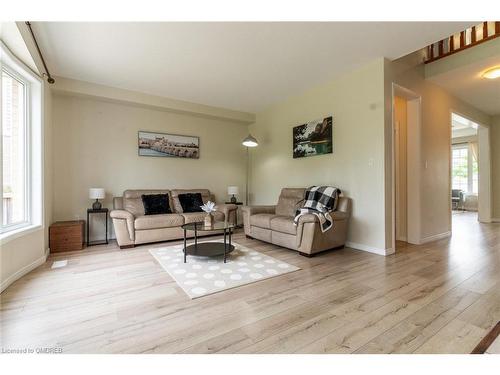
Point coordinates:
[[473, 35], [462, 39], [485, 30], [441, 48]]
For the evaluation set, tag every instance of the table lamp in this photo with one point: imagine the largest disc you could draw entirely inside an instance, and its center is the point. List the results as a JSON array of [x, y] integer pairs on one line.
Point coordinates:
[[96, 193], [232, 190]]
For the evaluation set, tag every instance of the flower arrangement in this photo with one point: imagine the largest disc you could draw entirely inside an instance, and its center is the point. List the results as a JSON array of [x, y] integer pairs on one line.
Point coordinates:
[[209, 207]]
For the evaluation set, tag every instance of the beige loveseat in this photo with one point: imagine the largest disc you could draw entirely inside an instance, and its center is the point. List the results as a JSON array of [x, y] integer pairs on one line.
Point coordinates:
[[274, 224], [132, 227]]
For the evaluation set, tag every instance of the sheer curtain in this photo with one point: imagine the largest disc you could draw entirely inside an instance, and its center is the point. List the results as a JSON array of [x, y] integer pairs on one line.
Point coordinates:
[[474, 151]]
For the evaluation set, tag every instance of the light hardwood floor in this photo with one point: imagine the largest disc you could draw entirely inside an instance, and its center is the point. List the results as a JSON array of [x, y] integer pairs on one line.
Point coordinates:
[[441, 297]]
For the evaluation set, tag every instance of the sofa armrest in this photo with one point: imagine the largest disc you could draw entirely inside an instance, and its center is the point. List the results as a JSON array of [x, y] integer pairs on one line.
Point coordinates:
[[228, 209], [129, 219], [252, 210], [335, 215], [308, 218], [339, 215], [121, 214]]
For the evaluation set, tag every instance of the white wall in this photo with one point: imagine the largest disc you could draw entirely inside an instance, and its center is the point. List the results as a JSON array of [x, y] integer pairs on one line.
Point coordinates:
[[495, 167], [95, 145], [437, 105], [356, 101]]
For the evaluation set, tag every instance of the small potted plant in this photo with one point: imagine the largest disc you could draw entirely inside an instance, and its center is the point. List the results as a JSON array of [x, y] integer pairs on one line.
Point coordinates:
[[209, 207]]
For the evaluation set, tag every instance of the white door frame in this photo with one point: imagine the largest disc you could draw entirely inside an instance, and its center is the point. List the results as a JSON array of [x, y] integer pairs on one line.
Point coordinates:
[[414, 164], [484, 190]]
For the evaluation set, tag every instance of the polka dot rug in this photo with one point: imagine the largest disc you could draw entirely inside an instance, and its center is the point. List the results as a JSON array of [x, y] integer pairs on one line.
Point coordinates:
[[202, 276]]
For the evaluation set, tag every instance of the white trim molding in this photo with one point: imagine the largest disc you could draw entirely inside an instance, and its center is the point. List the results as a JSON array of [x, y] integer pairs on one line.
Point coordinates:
[[435, 237], [23, 271], [370, 249]]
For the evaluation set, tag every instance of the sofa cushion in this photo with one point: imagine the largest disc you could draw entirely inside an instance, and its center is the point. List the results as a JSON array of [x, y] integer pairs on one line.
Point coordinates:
[[196, 217], [191, 202], [156, 204], [262, 220], [132, 200], [283, 224], [289, 201], [158, 221], [176, 204]]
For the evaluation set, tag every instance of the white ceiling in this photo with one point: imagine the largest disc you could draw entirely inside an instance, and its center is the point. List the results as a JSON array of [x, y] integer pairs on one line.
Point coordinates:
[[466, 82], [10, 35], [241, 66]]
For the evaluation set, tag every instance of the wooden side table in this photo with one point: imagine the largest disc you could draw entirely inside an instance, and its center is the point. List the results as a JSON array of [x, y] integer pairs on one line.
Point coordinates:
[[100, 211], [236, 215], [66, 236]]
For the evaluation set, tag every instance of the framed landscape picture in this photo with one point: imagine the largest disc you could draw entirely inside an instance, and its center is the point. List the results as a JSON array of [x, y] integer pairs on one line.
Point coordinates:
[[168, 145], [313, 138]]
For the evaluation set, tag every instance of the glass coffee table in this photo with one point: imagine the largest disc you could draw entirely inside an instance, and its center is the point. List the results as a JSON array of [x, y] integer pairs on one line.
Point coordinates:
[[209, 249]]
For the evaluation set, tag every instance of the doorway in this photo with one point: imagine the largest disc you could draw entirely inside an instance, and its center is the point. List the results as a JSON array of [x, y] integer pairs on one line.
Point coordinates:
[[469, 169], [406, 141]]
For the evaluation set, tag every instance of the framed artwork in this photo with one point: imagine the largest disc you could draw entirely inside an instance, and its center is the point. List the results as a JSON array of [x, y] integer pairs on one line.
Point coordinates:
[[168, 145], [313, 138]]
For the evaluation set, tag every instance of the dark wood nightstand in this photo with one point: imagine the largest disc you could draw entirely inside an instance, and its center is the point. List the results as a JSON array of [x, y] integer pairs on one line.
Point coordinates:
[[66, 236], [100, 211], [236, 216]]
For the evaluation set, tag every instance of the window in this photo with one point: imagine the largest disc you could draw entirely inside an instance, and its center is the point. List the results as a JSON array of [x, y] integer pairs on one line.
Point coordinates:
[[464, 169], [14, 147], [20, 146]]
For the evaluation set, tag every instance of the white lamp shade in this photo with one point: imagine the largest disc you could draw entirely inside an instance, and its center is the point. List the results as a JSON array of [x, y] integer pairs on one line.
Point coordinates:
[[96, 193], [232, 190], [250, 141]]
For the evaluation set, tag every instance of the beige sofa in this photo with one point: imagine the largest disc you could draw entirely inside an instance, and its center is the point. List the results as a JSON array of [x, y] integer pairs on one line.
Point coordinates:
[[132, 227], [274, 224]]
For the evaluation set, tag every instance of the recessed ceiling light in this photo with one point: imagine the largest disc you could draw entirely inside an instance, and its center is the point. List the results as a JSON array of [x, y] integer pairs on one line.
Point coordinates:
[[492, 73]]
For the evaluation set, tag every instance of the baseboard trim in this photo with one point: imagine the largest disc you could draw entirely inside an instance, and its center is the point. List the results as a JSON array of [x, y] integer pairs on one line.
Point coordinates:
[[369, 249], [495, 219], [23, 271], [435, 237]]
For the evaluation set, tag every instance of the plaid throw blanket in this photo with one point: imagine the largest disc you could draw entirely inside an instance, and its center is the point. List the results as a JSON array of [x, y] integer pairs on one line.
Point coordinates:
[[320, 201]]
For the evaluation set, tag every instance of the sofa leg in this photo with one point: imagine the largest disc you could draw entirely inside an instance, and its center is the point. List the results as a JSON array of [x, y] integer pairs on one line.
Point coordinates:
[[127, 246], [306, 255], [249, 237]]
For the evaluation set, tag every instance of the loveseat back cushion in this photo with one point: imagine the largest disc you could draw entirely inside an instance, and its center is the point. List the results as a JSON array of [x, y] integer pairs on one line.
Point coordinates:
[[191, 202], [289, 201], [132, 200], [176, 204], [156, 204]]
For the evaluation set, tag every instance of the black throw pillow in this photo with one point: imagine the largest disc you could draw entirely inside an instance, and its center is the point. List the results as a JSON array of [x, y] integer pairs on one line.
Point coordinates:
[[156, 204], [191, 202]]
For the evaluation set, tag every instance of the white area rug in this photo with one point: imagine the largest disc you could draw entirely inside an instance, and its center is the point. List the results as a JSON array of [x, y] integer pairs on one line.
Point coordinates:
[[201, 276]]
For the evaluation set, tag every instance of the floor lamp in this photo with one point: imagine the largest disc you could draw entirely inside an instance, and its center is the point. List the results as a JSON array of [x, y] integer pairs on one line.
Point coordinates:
[[249, 141]]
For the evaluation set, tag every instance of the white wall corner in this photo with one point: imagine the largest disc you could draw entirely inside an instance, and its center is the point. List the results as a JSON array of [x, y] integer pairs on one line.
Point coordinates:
[[370, 249], [435, 237], [23, 271]]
